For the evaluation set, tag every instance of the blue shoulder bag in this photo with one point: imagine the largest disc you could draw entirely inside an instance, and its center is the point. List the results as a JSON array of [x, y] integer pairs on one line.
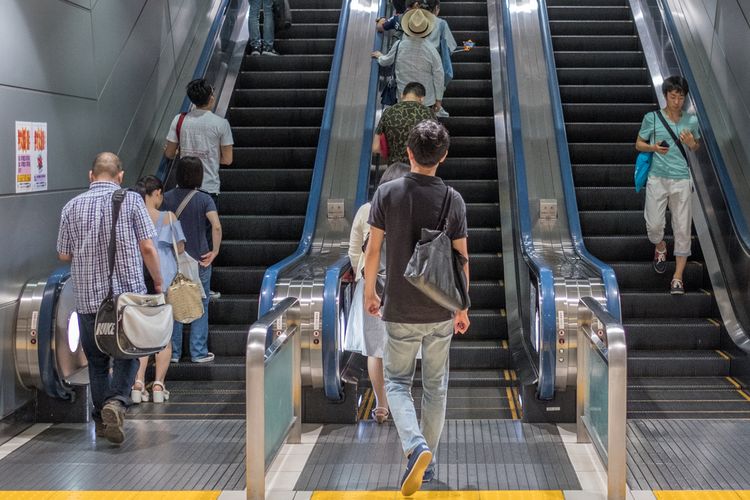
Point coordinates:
[[643, 164]]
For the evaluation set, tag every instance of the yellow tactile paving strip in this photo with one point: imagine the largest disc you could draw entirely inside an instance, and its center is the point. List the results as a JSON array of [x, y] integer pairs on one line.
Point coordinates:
[[439, 495], [110, 495]]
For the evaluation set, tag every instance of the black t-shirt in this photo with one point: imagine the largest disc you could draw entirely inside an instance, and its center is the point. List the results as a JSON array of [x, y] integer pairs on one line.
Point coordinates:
[[401, 208]]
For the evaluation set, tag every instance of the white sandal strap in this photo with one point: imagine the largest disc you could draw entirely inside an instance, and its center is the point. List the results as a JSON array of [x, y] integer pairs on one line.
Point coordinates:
[[159, 383]]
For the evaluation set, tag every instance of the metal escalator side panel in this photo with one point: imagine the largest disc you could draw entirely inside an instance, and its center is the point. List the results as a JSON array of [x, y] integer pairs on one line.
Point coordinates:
[[268, 288]]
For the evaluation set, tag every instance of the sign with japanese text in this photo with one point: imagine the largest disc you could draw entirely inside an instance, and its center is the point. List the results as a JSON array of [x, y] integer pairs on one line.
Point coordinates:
[[31, 157]]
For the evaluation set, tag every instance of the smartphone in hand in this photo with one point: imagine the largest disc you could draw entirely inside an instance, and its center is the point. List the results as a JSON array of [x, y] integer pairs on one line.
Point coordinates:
[[664, 144]]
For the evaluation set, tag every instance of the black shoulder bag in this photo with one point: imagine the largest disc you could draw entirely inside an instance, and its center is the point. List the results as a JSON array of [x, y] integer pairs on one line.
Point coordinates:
[[676, 139], [130, 325], [437, 269]]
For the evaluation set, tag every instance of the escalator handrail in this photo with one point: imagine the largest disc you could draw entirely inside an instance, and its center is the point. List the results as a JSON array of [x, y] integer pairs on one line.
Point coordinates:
[[162, 172], [712, 146], [334, 273], [544, 274], [609, 280], [268, 288]]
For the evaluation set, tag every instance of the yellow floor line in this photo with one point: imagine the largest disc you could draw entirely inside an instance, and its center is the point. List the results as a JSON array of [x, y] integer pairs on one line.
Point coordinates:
[[439, 495], [363, 404], [370, 404], [723, 354], [738, 386], [109, 495], [511, 403], [713, 321]]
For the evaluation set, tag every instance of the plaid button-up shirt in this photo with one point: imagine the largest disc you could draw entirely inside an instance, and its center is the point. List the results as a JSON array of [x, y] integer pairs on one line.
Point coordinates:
[[85, 228]]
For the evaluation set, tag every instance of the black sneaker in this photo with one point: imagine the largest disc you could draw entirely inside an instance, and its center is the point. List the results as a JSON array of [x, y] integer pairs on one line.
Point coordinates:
[[418, 462], [677, 287], [255, 51], [660, 261], [113, 418], [270, 52]]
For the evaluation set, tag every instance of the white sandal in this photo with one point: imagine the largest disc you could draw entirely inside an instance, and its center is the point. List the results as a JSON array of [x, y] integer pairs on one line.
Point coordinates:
[[139, 395], [159, 396]]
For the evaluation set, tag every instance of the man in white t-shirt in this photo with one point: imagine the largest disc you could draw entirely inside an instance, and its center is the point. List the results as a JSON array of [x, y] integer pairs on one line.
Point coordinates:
[[204, 135]]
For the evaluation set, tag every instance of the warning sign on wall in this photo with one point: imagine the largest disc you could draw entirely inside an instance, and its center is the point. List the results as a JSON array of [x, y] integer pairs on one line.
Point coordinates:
[[31, 157]]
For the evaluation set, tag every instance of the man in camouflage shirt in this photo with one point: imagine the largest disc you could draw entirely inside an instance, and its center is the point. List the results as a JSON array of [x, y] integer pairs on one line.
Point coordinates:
[[398, 120]]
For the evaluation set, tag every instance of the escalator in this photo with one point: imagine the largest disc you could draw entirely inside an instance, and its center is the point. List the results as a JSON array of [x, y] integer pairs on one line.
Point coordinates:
[[679, 356], [275, 112], [482, 384]]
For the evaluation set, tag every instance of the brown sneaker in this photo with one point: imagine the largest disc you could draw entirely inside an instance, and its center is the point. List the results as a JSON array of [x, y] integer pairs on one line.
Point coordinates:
[[113, 417]]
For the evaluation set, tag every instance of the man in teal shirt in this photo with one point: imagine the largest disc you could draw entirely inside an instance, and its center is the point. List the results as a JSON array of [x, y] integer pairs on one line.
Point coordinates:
[[669, 183]]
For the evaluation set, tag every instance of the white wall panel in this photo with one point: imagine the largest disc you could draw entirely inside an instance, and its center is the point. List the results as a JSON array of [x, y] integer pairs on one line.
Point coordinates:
[[46, 46]]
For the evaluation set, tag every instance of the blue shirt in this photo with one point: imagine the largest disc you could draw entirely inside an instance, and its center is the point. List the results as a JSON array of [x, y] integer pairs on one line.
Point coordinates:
[[165, 246], [671, 165], [85, 229], [193, 218]]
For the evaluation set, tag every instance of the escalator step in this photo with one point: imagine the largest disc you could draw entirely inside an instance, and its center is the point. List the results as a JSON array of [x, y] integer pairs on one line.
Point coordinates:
[[465, 22], [233, 310], [480, 214], [613, 76], [469, 126], [602, 131], [630, 247], [677, 363], [221, 369], [469, 88], [672, 333], [472, 106], [600, 59], [639, 275], [486, 324], [238, 279], [295, 157], [615, 222], [485, 265], [274, 117], [479, 355], [453, 9], [276, 136], [475, 191], [266, 227], [316, 16], [604, 112], [471, 70], [592, 27], [482, 146], [602, 42], [467, 168], [257, 252], [611, 174], [606, 94], [291, 98], [682, 384], [610, 152], [485, 239], [283, 80], [589, 12], [487, 294], [228, 340], [263, 203], [479, 37], [242, 179], [585, 3], [302, 46], [309, 62], [301, 30], [609, 198], [649, 304]]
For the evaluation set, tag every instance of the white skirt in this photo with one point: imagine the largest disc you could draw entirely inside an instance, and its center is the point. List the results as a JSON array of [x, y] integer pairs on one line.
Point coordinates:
[[365, 333]]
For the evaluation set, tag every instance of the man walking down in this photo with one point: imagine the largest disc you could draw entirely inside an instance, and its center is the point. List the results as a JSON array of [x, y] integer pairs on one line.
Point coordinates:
[[400, 209], [83, 240]]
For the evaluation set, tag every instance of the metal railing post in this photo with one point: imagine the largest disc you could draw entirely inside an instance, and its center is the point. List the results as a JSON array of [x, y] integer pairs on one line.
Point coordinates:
[[295, 434], [582, 379], [255, 460]]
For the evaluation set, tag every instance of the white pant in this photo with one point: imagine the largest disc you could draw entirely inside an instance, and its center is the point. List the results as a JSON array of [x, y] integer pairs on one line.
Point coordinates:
[[676, 194]]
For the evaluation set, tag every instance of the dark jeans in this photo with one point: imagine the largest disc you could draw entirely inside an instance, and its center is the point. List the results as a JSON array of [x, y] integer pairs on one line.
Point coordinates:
[[105, 386]]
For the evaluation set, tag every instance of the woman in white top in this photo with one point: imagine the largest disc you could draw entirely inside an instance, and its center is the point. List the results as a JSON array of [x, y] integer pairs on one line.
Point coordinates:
[[365, 333]]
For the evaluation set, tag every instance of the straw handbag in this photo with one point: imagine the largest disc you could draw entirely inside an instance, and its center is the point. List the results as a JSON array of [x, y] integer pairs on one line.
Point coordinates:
[[184, 294]]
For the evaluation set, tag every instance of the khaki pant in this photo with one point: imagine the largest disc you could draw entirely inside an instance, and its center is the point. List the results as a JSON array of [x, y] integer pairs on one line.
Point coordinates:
[[675, 194]]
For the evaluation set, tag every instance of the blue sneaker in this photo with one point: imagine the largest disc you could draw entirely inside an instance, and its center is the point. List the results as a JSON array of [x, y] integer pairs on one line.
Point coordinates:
[[429, 474], [419, 460]]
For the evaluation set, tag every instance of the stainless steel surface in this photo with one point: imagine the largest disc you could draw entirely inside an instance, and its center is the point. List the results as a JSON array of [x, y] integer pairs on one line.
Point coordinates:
[[552, 242], [598, 328], [331, 237], [68, 353], [284, 319], [728, 263]]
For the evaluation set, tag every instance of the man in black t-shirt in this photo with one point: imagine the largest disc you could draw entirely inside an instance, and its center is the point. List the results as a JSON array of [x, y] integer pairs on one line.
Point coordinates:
[[400, 209]]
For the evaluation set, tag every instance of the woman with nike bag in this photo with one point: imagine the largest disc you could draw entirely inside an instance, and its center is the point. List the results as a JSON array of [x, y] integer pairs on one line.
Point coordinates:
[[668, 132], [196, 211]]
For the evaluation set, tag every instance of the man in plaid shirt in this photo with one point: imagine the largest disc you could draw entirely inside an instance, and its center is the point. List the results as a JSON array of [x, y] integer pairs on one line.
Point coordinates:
[[83, 240]]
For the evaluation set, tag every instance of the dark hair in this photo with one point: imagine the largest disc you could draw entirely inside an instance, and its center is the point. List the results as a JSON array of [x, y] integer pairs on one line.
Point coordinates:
[[430, 5], [415, 88], [189, 172], [675, 83], [428, 141], [199, 92], [394, 171], [147, 185]]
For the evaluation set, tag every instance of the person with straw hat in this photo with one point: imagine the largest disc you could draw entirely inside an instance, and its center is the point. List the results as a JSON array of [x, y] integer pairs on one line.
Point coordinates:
[[415, 59]]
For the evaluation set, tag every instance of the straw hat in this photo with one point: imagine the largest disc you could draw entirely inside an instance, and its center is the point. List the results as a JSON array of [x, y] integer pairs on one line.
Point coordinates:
[[418, 22]]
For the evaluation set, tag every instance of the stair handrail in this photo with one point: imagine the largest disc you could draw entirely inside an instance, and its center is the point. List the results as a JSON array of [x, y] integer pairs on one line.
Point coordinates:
[[543, 273], [165, 165], [331, 326], [271, 275], [611, 289]]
